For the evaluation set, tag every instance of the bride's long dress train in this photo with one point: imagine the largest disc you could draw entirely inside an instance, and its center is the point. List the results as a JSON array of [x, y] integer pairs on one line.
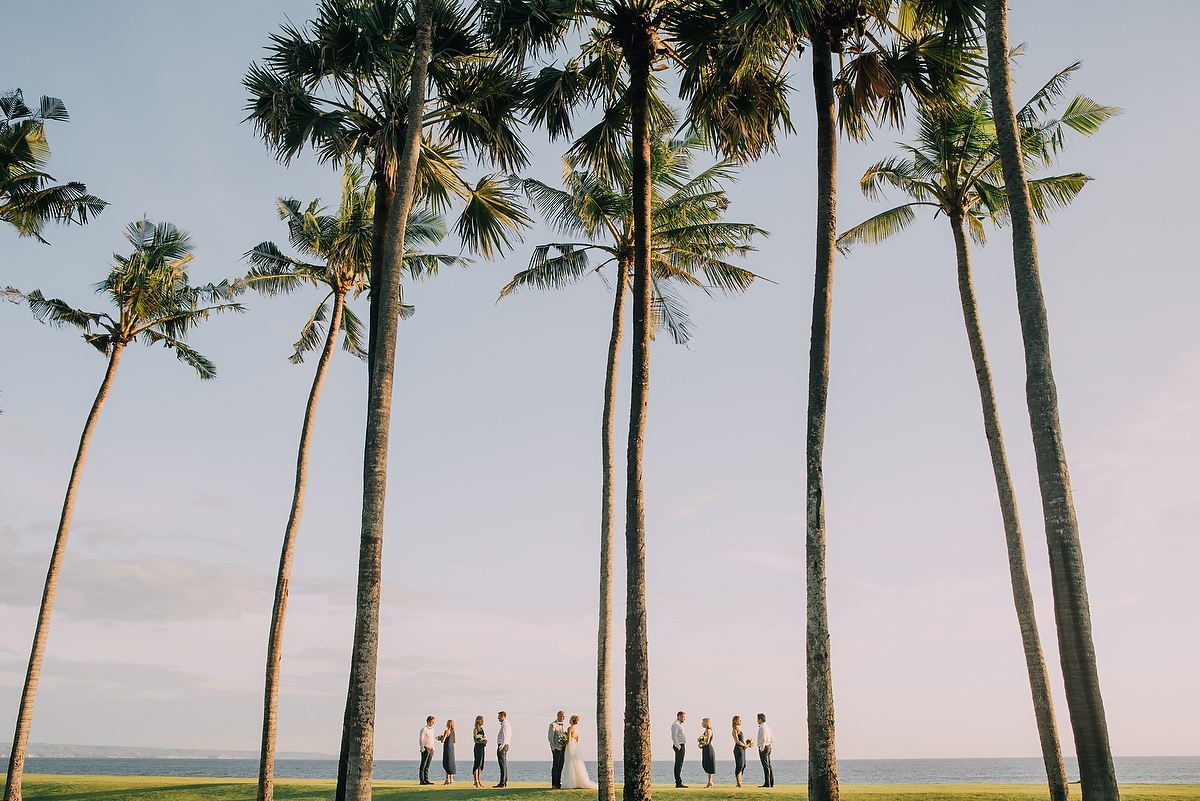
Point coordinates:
[[575, 776]]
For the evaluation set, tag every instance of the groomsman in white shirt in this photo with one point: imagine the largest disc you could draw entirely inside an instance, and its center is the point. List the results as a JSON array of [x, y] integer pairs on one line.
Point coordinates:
[[764, 750], [428, 742], [503, 740], [679, 743], [557, 751]]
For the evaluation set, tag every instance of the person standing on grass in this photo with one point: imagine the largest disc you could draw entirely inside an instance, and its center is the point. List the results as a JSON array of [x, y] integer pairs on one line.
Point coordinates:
[[448, 765], [679, 743], [480, 740], [557, 737], [764, 750], [427, 741], [503, 740], [739, 750]]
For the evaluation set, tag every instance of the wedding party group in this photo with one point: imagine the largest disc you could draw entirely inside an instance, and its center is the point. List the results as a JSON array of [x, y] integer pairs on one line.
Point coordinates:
[[567, 768], [708, 753]]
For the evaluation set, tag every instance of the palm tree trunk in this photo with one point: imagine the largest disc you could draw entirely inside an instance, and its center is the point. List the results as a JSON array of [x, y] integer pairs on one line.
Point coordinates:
[[1077, 653], [360, 702], [822, 759], [266, 762], [637, 657], [16, 758], [604, 754], [1035, 663], [385, 193]]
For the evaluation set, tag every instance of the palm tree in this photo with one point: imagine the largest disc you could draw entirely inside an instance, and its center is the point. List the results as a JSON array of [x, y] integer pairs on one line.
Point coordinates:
[[687, 236], [343, 241], [954, 168], [155, 304], [1072, 616], [921, 54], [27, 199], [373, 60]]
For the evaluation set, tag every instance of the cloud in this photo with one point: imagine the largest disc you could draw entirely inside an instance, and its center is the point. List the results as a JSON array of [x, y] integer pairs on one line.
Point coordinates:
[[342, 590], [693, 504], [145, 587]]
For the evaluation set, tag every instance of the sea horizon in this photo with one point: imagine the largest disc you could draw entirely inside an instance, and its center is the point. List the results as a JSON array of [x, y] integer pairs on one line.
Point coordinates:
[[949, 770]]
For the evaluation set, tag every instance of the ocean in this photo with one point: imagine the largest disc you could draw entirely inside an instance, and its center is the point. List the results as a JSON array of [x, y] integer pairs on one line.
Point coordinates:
[[1020, 770]]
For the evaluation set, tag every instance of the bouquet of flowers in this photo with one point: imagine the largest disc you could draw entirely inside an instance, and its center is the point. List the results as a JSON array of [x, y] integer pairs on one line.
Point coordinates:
[[748, 742], [702, 740], [439, 737], [481, 738], [562, 739]]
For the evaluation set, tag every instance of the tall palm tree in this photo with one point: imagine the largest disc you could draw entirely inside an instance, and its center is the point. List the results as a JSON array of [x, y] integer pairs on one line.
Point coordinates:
[[910, 48], [688, 236], [28, 200], [1072, 616], [954, 168], [354, 83], [155, 304], [343, 241]]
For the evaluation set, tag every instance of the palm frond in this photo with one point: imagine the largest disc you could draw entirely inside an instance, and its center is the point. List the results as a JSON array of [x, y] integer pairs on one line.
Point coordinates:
[[878, 228], [492, 215]]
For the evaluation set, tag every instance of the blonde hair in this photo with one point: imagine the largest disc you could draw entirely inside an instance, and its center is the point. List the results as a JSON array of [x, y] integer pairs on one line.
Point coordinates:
[[478, 721], [574, 719], [737, 720], [450, 725], [705, 723]]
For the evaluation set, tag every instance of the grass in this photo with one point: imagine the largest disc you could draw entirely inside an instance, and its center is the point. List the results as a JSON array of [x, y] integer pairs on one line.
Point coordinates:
[[145, 788]]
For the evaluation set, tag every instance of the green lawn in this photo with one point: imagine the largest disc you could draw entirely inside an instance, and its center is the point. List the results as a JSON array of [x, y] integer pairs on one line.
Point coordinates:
[[65, 788]]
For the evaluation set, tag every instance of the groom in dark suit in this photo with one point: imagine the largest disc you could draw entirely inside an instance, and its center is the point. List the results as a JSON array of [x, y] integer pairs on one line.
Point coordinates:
[[558, 751]]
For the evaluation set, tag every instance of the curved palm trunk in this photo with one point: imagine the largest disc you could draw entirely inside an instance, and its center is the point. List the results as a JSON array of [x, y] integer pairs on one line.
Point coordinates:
[[637, 656], [1035, 662], [360, 702], [16, 759], [385, 193], [604, 754], [1072, 615], [822, 760], [266, 761]]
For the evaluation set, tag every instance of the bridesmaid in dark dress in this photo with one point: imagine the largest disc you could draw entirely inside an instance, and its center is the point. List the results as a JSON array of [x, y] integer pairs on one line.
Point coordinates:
[[740, 744], [708, 752], [448, 752], [480, 740]]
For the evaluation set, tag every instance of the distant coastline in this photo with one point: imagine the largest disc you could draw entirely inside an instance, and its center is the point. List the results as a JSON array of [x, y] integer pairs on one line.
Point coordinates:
[[59, 751]]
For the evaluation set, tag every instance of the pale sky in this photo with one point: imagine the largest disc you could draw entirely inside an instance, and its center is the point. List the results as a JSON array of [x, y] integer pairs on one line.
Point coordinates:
[[491, 552]]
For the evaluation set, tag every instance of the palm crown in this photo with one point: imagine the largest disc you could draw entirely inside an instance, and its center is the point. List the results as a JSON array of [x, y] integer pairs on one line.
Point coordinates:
[[27, 198], [343, 242], [340, 85], [688, 237], [954, 164], [155, 303]]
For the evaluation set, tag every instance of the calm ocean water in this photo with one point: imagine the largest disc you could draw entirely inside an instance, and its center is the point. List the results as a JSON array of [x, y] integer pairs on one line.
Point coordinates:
[[1131, 770]]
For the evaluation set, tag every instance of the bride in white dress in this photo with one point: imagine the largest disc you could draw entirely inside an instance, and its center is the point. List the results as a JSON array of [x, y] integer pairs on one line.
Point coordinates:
[[575, 775]]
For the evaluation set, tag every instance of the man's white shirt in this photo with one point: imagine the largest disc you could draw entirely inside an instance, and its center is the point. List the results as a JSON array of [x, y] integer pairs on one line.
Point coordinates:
[[504, 736], [764, 736], [428, 739], [556, 728], [678, 738]]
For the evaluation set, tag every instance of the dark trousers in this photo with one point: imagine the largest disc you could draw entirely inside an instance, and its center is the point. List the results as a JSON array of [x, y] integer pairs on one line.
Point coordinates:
[[502, 758], [426, 761], [768, 773], [556, 766], [679, 749]]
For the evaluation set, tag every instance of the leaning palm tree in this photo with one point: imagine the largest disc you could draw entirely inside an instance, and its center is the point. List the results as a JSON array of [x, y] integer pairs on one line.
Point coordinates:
[[954, 168], [28, 199], [688, 236], [155, 304], [1072, 616], [355, 83], [343, 242]]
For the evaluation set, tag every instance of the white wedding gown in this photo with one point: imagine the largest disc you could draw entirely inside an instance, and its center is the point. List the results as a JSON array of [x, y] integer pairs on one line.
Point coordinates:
[[575, 775]]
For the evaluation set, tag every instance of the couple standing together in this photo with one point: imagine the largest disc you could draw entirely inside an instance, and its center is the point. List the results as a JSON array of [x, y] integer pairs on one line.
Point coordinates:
[[565, 756], [708, 754]]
